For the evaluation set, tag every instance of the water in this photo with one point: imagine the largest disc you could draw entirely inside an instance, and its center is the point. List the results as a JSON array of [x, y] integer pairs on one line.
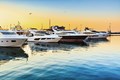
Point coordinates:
[[98, 61]]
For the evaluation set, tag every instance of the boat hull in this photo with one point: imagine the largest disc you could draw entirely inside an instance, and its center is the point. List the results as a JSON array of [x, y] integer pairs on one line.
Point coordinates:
[[73, 39], [99, 36], [12, 42], [46, 40]]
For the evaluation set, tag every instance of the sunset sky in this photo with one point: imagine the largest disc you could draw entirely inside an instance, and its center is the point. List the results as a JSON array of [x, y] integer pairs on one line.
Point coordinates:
[[96, 14]]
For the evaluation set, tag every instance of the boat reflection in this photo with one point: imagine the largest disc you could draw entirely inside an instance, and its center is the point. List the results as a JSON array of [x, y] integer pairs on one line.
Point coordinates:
[[35, 48], [44, 47], [7, 54], [98, 40], [94, 42]]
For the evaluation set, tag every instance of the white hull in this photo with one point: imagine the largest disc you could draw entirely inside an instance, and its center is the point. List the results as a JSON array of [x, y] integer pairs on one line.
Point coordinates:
[[96, 34], [99, 36], [47, 39], [12, 42], [42, 36]]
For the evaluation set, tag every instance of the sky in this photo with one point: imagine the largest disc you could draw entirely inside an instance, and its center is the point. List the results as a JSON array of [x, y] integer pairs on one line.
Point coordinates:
[[96, 14]]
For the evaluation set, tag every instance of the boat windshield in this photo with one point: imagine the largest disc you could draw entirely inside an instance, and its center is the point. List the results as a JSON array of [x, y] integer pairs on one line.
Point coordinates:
[[71, 32], [39, 34], [66, 33], [8, 33], [42, 32]]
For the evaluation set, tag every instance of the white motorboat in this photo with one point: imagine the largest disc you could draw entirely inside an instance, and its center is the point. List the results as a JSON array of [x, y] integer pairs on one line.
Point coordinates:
[[69, 36], [11, 39], [42, 36], [97, 34]]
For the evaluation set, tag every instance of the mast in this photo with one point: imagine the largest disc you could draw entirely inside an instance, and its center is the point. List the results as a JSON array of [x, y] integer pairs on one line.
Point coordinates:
[[49, 23], [69, 26], [41, 26], [109, 28]]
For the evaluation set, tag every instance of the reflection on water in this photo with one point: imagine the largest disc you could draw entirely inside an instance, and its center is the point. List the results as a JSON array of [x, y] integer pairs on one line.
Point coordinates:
[[44, 47], [7, 54], [53, 61], [51, 46], [94, 42], [98, 40]]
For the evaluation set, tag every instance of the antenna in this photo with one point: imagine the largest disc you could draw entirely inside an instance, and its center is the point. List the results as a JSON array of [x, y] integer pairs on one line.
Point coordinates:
[[41, 26], [49, 23], [109, 28], [69, 26]]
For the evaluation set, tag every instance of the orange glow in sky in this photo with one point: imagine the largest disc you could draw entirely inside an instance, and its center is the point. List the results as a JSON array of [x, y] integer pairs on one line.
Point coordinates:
[[32, 16]]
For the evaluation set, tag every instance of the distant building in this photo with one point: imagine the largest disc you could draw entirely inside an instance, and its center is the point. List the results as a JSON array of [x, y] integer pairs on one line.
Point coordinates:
[[17, 27], [0, 28]]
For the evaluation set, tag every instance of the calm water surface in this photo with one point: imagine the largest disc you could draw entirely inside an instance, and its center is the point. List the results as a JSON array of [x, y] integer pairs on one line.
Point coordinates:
[[98, 61]]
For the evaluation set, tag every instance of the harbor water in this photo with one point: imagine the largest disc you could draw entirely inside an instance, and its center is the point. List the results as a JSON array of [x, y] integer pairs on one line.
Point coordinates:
[[100, 60]]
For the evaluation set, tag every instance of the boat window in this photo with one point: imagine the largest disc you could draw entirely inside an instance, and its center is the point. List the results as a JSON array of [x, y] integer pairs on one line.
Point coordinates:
[[95, 31], [36, 38], [68, 33], [13, 40], [60, 34], [71, 32], [47, 33], [43, 38], [8, 33], [43, 32], [53, 38], [88, 33], [39, 34], [48, 38]]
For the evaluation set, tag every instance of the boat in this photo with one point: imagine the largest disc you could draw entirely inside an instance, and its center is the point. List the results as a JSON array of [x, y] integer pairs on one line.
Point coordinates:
[[69, 36], [42, 36], [11, 39], [96, 34]]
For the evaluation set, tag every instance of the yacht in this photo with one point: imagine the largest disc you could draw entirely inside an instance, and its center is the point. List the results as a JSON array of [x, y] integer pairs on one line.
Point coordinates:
[[97, 34], [69, 36], [11, 39], [42, 36]]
